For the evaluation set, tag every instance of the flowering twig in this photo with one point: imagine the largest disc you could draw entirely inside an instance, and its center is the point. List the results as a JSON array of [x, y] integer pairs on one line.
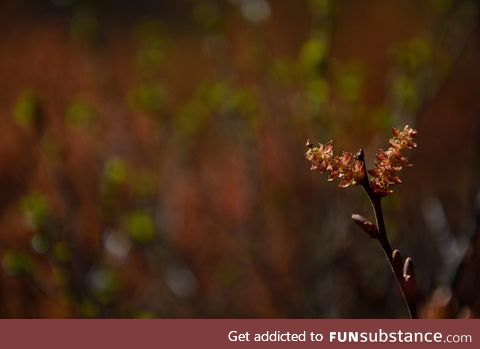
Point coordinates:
[[351, 170]]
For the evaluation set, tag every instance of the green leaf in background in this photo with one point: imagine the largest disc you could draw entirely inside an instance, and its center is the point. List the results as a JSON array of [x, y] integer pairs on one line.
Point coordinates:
[[313, 55], [17, 263], [148, 97], [141, 227], [349, 84], [80, 114], [35, 210], [26, 110], [115, 172]]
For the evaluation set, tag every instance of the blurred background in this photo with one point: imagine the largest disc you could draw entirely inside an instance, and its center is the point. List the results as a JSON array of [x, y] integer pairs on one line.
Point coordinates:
[[152, 157]]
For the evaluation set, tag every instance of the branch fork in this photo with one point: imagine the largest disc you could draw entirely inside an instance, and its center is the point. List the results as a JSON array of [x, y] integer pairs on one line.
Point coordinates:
[[403, 269]]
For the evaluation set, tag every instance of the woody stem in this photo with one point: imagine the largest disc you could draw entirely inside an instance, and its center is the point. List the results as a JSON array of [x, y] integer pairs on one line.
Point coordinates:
[[382, 238]]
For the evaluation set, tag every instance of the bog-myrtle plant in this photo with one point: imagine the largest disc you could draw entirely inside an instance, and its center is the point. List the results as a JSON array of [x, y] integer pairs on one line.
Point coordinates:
[[350, 170]]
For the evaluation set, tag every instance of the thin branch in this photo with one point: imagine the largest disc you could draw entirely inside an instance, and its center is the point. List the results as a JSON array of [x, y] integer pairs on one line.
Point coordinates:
[[403, 271]]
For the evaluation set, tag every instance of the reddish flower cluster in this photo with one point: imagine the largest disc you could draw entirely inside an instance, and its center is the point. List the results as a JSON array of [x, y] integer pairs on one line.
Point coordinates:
[[349, 170], [391, 161]]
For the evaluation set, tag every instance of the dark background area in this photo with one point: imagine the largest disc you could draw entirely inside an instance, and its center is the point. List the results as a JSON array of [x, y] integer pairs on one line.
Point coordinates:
[[152, 157]]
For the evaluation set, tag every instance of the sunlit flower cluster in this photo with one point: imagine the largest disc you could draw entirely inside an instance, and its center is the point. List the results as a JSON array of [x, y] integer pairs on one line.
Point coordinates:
[[350, 170], [390, 162], [346, 167]]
